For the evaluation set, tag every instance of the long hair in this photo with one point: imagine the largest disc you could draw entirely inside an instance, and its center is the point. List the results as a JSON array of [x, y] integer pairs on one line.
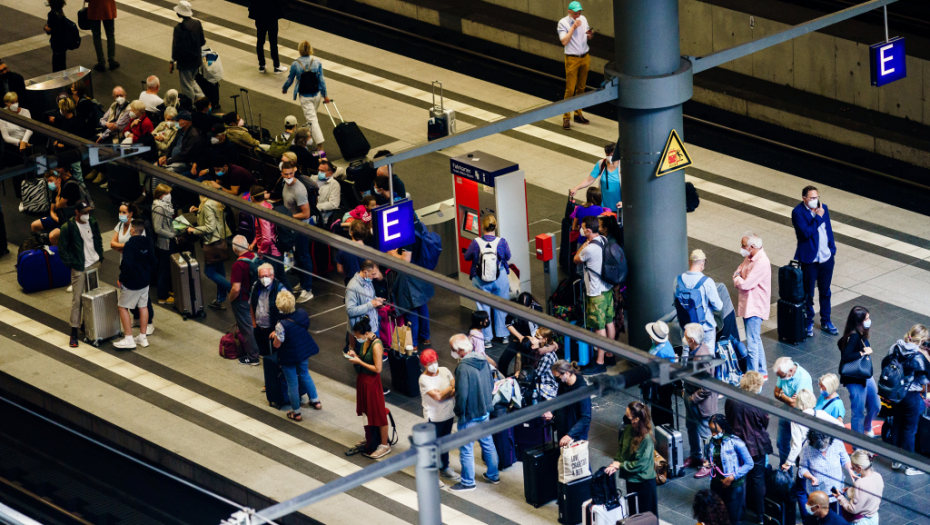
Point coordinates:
[[643, 425], [205, 198], [709, 509], [854, 324], [610, 227]]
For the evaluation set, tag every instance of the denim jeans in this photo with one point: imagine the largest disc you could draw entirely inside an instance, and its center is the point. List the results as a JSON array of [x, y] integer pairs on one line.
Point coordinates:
[[698, 429], [216, 272], [756, 358], [863, 398], [784, 440], [500, 288], [444, 428], [419, 323], [242, 313], [302, 261], [821, 275], [906, 418], [734, 499], [467, 456], [299, 373]]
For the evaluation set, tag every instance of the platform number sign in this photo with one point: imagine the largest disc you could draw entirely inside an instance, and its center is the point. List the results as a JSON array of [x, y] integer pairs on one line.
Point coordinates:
[[887, 60], [393, 225], [674, 156]]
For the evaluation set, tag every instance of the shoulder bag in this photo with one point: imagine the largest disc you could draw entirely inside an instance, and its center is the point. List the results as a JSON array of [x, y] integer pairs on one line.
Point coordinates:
[[217, 252], [859, 369]]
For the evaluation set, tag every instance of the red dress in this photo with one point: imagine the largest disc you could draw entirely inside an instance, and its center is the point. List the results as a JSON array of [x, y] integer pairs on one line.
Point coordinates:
[[370, 395], [101, 9]]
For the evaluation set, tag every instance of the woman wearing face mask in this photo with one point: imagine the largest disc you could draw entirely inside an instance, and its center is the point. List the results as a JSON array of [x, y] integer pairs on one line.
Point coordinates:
[[860, 502], [166, 131], [165, 245], [519, 329], [572, 422], [750, 424], [635, 461], [368, 363], [437, 390], [213, 231], [140, 124], [863, 392], [829, 400], [907, 411], [14, 135], [69, 124], [121, 234], [730, 460], [545, 354]]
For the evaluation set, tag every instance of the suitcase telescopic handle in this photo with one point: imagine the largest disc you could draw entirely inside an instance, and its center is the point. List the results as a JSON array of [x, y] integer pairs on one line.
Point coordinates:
[[333, 102], [441, 98]]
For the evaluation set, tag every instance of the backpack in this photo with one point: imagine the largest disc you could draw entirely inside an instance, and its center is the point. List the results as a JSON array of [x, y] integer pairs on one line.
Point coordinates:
[[246, 225], [72, 35], [489, 268], [253, 263], [279, 146], [309, 83], [430, 247], [604, 490], [285, 237], [892, 384], [82, 190], [689, 302], [613, 263]]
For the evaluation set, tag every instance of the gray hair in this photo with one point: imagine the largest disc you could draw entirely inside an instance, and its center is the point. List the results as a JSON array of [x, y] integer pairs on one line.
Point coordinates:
[[753, 240], [171, 98], [784, 364], [265, 266], [152, 82], [171, 112], [240, 244], [460, 343], [695, 332]]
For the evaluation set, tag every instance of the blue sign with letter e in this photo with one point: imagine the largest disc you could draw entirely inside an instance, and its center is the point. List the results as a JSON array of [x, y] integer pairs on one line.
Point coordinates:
[[888, 61], [393, 225]]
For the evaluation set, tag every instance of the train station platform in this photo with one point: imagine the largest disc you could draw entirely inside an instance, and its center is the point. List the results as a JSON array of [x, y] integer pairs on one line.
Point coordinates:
[[181, 396]]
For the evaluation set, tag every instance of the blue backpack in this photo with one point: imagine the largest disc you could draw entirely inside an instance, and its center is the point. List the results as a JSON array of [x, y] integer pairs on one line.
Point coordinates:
[[689, 302], [430, 247]]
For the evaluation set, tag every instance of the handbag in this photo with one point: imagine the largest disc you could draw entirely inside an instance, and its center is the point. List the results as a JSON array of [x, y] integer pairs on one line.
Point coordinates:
[[82, 21], [859, 369], [574, 462], [216, 252]]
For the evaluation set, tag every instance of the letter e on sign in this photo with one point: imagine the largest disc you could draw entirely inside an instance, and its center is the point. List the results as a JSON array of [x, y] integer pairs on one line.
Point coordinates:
[[888, 61], [393, 225]]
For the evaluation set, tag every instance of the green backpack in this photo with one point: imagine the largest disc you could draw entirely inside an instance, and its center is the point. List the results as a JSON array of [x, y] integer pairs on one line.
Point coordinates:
[[280, 147]]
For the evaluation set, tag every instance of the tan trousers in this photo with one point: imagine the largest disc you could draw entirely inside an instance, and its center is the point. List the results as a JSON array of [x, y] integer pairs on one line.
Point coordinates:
[[576, 77], [77, 288]]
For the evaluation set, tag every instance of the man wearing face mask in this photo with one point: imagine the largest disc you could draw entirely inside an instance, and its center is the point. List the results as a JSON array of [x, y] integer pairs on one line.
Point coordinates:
[[437, 390], [818, 506], [234, 180], [473, 403], [815, 252], [240, 281], [264, 310], [361, 299], [218, 148], [753, 281], [330, 191], [116, 119], [187, 148], [307, 161], [64, 195], [80, 248], [295, 198]]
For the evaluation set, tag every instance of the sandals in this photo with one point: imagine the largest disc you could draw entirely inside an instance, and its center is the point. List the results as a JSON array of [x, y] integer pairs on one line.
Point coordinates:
[[294, 416], [316, 405]]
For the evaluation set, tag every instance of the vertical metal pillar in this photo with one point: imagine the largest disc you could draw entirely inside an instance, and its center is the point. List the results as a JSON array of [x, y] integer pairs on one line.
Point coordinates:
[[427, 474], [655, 228]]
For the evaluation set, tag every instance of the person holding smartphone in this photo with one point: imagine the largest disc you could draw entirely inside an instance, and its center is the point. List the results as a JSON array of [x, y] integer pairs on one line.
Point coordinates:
[[816, 250], [730, 462], [574, 34]]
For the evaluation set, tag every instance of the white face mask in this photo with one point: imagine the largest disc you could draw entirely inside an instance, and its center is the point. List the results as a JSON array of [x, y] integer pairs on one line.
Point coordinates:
[[14, 106], [455, 355], [166, 198], [867, 324], [241, 122], [84, 217], [744, 252], [810, 510], [812, 204], [214, 140], [266, 281], [290, 181], [433, 368], [120, 100], [132, 114]]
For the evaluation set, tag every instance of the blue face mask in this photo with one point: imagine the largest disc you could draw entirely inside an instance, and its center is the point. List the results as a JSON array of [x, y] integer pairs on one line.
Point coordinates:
[[51, 186], [123, 218], [321, 176], [366, 279], [220, 173]]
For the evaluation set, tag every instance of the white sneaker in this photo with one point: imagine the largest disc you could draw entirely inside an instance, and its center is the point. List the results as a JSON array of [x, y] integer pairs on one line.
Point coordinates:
[[304, 296], [488, 345], [70, 289], [150, 329], [127, 343], [380, 452], [870, 434], [22, 207], [280, 69], [895, 465], [913, 472], [297, 288], [141, 340]]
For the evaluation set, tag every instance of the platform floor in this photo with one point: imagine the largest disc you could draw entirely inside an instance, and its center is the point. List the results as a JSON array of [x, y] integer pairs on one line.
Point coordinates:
[[179, 394]]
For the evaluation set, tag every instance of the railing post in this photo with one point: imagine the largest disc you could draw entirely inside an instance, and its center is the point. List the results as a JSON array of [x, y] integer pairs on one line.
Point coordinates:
[[427, 472]]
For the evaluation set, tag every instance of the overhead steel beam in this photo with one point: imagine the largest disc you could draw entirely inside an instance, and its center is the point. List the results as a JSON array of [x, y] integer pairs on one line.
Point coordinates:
[[605, 94], [721, 57]]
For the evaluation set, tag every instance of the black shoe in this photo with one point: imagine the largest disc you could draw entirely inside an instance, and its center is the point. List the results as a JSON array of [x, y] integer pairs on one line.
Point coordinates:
[[113, 65], [249, 362], [216, 305], [594, 369], [73, 343], [100, 67]]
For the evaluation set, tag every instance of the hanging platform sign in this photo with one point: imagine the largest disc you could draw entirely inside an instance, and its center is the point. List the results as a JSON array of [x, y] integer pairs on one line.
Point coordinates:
[[674, 157], [887, 61]]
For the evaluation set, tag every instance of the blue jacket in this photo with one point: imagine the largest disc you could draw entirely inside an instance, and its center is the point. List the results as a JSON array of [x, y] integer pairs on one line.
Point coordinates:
[[298, 345], [805, 229], [298, 67], [733, 454], [135, 270]]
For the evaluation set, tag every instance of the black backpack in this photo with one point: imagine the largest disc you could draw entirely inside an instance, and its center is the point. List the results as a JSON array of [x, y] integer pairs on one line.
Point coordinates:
[[72, 35], [893, 383], [613, 262], [309, 82], [285, 237], [692, 201], [604, 489]]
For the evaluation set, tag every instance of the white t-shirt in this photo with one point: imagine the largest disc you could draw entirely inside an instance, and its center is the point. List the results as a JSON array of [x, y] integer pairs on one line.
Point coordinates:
[[592, 257], [437, 411], [90, 253], [151, 101], [578, 45]]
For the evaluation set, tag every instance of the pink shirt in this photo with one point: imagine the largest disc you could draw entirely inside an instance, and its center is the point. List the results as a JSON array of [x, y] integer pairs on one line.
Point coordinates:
[[755, 291]]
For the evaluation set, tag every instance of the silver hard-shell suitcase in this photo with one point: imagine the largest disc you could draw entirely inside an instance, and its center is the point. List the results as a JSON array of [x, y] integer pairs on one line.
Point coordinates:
[[99, 311], [670, 446], [185, 278]]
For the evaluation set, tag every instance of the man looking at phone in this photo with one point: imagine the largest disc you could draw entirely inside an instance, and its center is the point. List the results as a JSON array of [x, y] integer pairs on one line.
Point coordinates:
[[574, 34], [361, 300], [816, 248]]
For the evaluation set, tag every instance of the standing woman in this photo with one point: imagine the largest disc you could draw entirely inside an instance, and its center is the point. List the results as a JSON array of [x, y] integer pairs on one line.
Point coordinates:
[[750, 424], [103, 12], [311, 88], [861, 501], [572, 422], [482, 249], [635, 461], [863, 392], [907, 412], [213, 233], [295, 347], [731, 461], [607, 171], [266, 14], [370, 396], [162, 215], [121, 234], [56, 26]]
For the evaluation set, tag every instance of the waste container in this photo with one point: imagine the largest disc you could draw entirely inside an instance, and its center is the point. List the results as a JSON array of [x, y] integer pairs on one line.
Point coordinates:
[[42, 92], [440, 218]]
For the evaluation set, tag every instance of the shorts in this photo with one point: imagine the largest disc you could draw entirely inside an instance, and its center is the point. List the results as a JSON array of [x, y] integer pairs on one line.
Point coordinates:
[[599, 310], [133, 298], [48, 223]]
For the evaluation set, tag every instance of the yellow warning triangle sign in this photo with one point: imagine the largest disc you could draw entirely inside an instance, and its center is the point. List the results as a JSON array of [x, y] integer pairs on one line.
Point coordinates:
[[674, 157]]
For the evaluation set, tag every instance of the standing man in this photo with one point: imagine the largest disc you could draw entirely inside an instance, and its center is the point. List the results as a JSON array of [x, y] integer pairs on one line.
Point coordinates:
[[792, 378], [599, 298], [297, 203], [185, 49], [695, 280], [80, 248], [473, 403], [360, 298], [240, 279], [574, 34], [753, 280], [266, 14], [135, 275], [103, 12], [265, 314], [815, 252]]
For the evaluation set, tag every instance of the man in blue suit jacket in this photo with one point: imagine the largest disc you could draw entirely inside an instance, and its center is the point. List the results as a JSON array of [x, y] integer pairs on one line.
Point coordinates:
[[815, 252]]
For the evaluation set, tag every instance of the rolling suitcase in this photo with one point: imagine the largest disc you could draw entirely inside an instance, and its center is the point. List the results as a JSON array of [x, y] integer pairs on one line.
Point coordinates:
[[541, 474], [791, 283], [531, 434], [275, 384], [790, 322], [669, 445], [322, 256], [41, 269], [646, 518], [257, 132], [572, 497], [185, 278], [774, 513], [503, 442], [99, 312], [352, 143], [441, 120], [405, 373]]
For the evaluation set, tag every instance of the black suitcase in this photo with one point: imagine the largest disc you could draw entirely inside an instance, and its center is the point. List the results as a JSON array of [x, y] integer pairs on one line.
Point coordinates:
[[571, 500], [275, 384], [774, 513], [405, 373], [352, 143], [541, 474], [362, 174], [503, 442], [566, 250], [531, 434], [791, 283], [790, 322]]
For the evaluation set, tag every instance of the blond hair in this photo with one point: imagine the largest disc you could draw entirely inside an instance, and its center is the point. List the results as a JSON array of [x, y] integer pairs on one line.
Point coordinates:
[[489, 223], [66, 105], [861, 459], [138, 106], [161, 190], [305, 49], [10, 97], [917, 334], [830, 383], [285, 302], [204, 198], [805, 400], [752, 381]]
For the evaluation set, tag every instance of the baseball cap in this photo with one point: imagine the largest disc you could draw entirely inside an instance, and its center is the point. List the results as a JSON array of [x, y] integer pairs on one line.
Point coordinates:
[[428, 356], [575, 6], [83, 206], [290, 121], [218, 128], [697, 255], [184, 115], [658, 331]]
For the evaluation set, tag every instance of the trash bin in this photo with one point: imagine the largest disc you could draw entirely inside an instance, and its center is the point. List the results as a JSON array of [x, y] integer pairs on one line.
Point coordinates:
[[440, 218], [42, 92]]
